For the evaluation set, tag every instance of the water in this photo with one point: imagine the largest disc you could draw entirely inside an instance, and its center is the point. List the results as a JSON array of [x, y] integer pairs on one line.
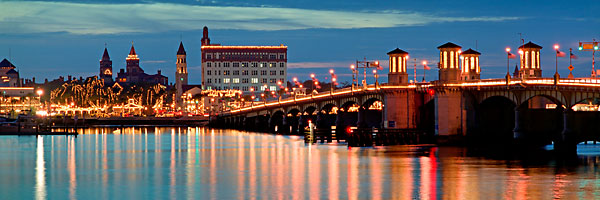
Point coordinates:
[[199, 163]]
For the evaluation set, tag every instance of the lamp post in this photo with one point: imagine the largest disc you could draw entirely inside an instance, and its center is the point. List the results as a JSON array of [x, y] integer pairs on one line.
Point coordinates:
[[556, 58], [376, 78], [312, 77], [424, 69], [508, 54], [354, 71], [333, 79]]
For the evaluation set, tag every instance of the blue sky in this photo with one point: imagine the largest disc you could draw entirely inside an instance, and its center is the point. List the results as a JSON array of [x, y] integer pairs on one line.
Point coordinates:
[[52, 38]]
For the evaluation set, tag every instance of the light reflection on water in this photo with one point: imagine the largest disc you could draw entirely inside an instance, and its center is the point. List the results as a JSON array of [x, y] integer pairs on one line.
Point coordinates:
[[199, 163]]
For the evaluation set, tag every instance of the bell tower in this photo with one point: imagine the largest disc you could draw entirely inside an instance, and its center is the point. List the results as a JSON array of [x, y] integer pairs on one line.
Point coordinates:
[[181, 75], [106, 68], [470, 65], [449, 62], [530, 61], [205, 40], [397, 73]]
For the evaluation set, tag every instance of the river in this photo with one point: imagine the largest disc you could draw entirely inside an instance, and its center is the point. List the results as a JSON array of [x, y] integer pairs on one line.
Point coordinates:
[[204, 163]]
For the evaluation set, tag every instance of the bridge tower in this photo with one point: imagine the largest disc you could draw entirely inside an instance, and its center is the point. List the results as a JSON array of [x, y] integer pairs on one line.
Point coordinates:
[[449, 62], [398, 74], [530, 61], [470, 65]]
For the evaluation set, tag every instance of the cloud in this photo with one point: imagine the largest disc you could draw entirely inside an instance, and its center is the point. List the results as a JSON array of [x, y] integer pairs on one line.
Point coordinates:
[[93, 18]]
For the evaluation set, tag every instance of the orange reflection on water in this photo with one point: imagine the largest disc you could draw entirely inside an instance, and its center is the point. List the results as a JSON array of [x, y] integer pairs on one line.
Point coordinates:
[[353, 179], [71, 168]]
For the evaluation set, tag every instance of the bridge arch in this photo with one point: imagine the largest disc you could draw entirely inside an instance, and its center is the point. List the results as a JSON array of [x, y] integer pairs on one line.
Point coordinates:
[[540, 96], [494, 120], [291, 121], [276, 121], [370, 113], [576, 98]]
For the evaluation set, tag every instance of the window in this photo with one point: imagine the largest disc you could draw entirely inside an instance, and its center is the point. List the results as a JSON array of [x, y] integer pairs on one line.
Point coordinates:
[[209, 87], [236, 64], [226, 72], [263, 65], [245, 64], [244, 72], [281, 56], [273, 56], [226, 80], [209, 80], [226, 64], [264, 80], [236, 72], [272, 73], [263, 88], [282, 82], [208, 72], [219, 72], [263, 72], [254, 80], [254, 64], [244, 88], [281, 64], [254, 73], [244, 80], [273, 88], [236, 80], [273, 80], [208, 64], [273, 65], [226, 88], [208, 56], [282, 72]]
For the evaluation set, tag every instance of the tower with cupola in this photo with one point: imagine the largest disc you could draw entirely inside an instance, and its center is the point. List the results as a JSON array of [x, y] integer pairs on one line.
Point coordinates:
[[449, 62], [530, 61], [106, 70], [398, 73]]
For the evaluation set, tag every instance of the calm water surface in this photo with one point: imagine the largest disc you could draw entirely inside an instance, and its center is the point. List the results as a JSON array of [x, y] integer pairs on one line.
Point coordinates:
[[201, 163]]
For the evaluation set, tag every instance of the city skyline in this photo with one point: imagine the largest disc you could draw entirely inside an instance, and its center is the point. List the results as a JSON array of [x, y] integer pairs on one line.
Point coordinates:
[[52, 46]]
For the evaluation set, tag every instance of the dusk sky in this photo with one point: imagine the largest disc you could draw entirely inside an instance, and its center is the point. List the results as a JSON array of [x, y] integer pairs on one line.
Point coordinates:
[[48, 39]]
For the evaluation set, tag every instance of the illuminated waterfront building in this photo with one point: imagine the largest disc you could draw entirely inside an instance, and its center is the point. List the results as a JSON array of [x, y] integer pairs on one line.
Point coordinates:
[[9, 77], [242, 67], [135, 74], [106, 70]]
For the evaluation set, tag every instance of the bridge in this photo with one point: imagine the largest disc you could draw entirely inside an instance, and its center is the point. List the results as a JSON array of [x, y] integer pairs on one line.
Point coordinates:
[[525, 108]]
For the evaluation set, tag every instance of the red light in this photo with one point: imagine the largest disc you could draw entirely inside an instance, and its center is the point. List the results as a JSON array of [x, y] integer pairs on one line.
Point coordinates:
[[431, 92], [349, 129]]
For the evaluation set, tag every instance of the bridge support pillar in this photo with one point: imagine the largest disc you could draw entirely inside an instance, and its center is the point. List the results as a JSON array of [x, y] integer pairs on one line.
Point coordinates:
[[449, 119], [519, 132], [566, 144], [401, 110]]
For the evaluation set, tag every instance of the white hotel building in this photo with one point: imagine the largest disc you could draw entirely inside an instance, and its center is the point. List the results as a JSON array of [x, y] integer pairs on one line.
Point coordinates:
[[242, 67]]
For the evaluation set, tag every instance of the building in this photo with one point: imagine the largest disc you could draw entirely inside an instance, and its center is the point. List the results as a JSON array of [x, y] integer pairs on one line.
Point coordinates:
[[181, 74], [106, 70], [135, 74], [242, 67], [9, 77]]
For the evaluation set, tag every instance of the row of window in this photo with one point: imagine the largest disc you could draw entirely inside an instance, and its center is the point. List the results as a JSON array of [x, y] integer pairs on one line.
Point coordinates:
[[244, 64], [244, 88], [245, 55], [243, 80], [244, 72]]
